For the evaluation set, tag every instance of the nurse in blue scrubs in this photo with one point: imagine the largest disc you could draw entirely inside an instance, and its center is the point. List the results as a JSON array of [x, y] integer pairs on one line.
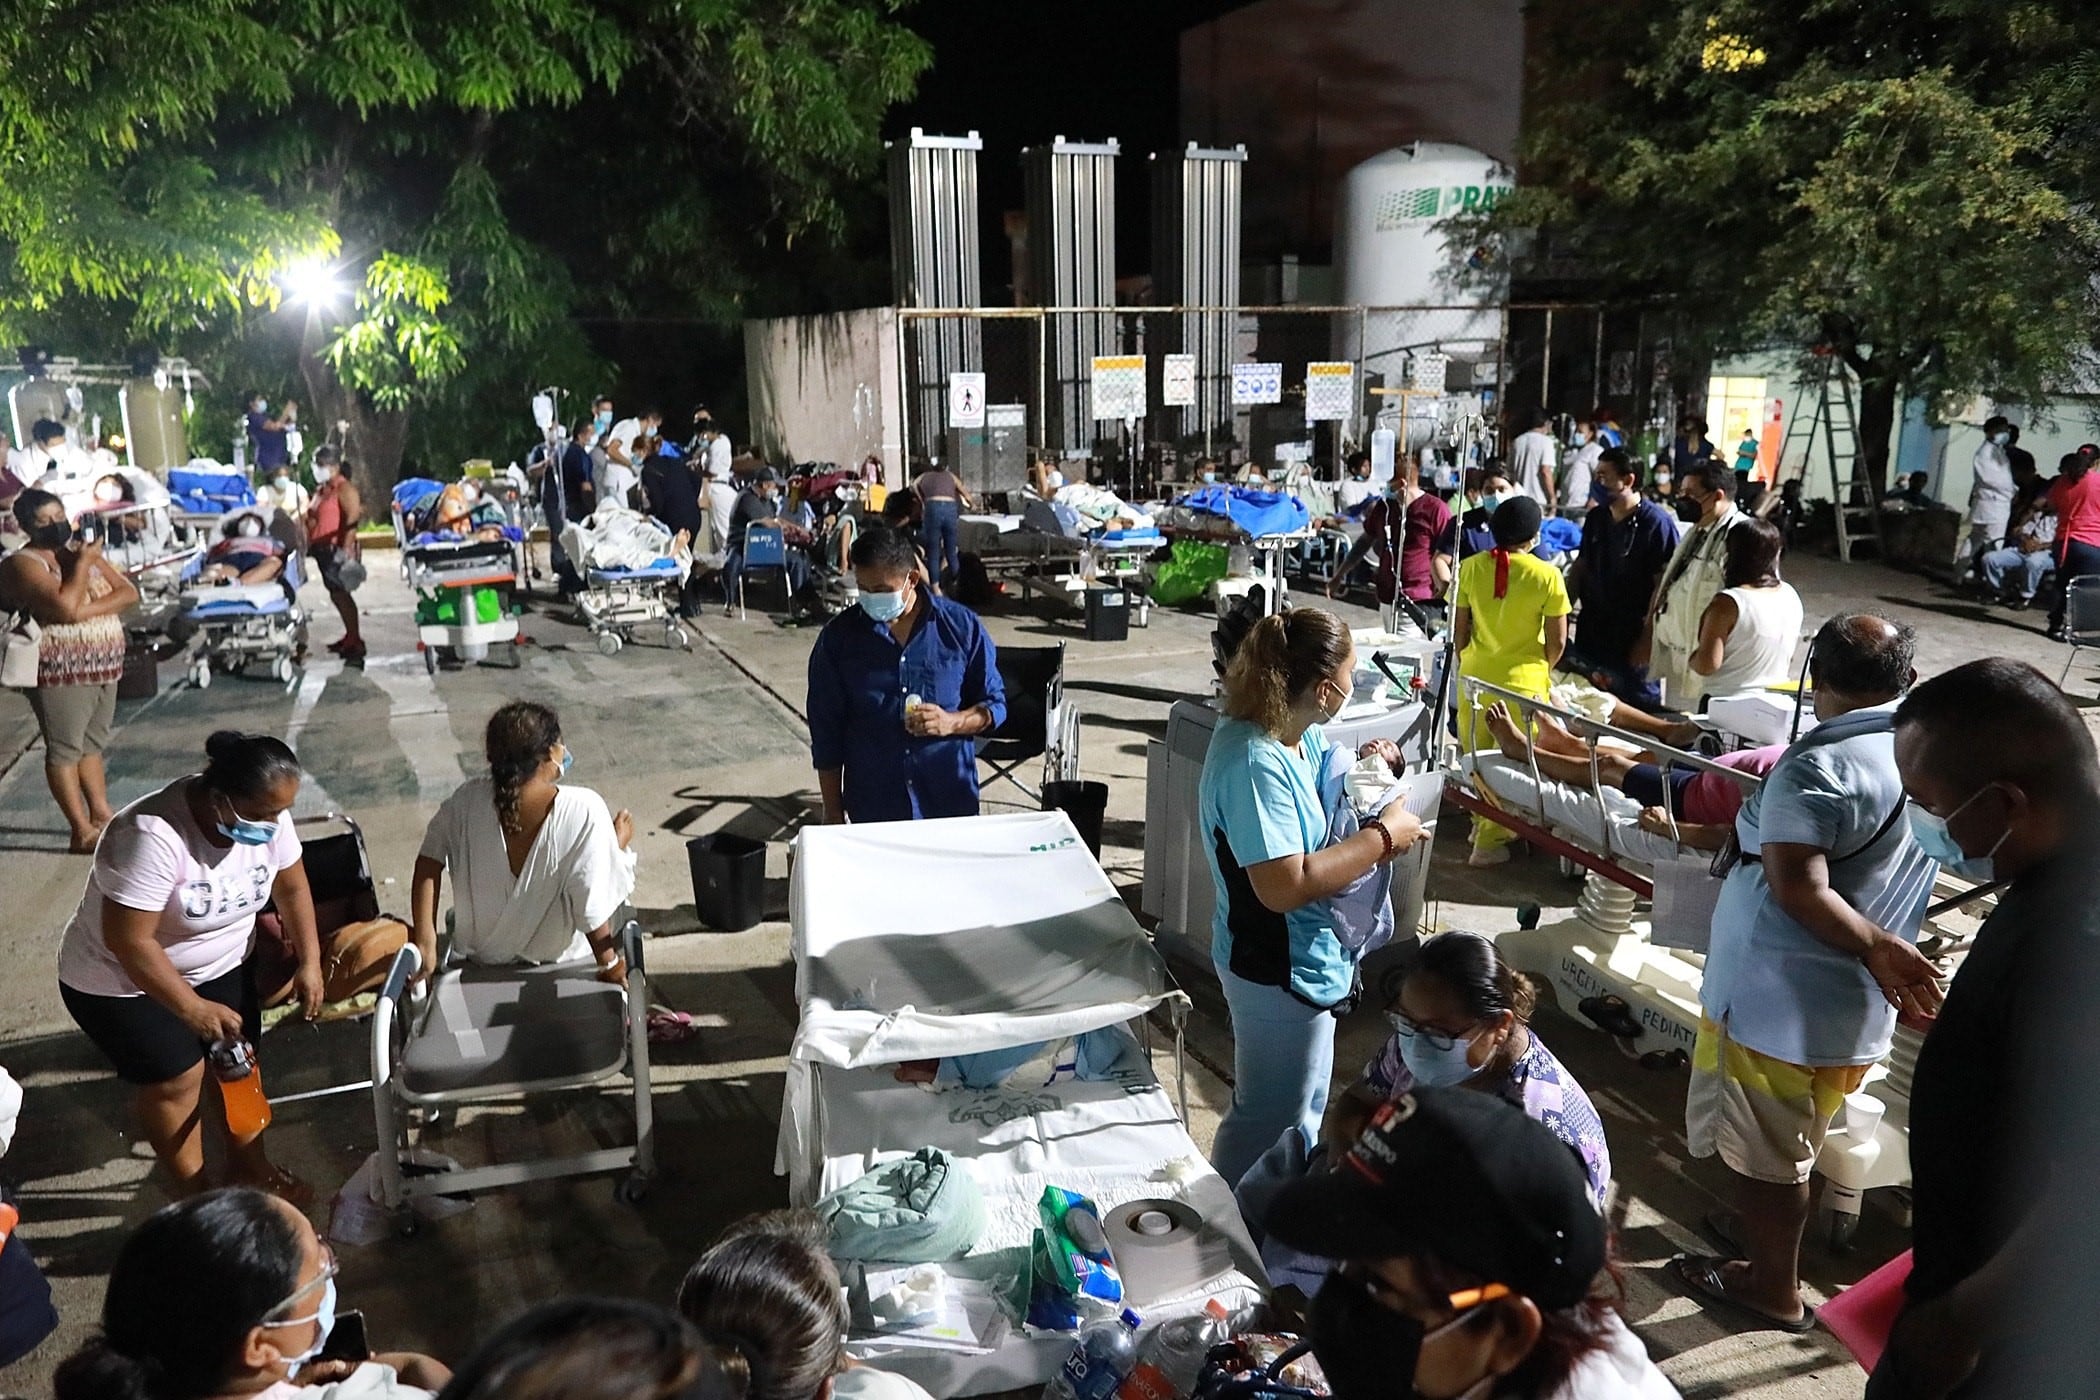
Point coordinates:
[[1284, 971], [877, 759]]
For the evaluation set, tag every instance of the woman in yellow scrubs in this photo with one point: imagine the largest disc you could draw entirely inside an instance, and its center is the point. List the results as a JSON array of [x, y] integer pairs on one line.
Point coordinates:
[[1510, 627]]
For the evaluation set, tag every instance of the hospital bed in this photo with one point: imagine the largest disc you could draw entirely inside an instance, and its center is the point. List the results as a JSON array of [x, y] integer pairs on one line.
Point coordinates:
[[239, 625], [484, 1034], [463, 583], [631, 579], [1654, 965], [1029, 942]]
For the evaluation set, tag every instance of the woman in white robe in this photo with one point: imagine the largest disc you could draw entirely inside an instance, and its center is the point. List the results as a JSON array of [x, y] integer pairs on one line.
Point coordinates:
[[539, 869]]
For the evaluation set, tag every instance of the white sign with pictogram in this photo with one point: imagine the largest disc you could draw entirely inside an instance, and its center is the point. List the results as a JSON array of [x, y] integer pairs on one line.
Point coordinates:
[[1330, 391], [1177, 381], [1119, 387], [965, 400], [1257, 384]]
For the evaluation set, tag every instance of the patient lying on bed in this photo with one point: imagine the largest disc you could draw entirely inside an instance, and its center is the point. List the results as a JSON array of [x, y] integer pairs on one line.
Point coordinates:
[[1703, 804], [539, 867]]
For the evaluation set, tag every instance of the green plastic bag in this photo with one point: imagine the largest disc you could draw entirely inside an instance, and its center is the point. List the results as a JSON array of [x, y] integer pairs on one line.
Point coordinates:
[[1192, 568]]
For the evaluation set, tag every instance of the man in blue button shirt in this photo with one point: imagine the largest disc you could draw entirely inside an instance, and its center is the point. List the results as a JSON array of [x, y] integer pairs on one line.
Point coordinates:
[[876, 762], [1814, 954]]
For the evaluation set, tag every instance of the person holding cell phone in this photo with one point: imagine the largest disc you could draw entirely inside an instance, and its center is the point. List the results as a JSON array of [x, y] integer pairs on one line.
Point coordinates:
[[67, 604], [253, 1314]]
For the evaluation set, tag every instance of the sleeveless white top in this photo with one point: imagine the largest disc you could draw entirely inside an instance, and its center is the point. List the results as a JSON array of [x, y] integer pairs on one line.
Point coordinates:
[[1760, 647]]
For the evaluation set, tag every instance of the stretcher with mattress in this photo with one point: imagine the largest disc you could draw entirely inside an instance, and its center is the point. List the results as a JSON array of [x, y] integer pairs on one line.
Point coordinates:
[[1028, 943]]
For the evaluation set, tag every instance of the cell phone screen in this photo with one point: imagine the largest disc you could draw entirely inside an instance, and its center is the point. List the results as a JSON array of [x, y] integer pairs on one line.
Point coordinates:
[[346, 1340]]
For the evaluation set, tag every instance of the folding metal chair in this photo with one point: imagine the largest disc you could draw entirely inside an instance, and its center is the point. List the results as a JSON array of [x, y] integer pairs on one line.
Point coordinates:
[[487, 1033], [1038, 724], [2081, 618], [765, 547]]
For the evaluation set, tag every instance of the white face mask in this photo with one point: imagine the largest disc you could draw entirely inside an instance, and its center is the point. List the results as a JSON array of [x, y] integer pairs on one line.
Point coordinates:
[[2001, 438], [323, 475]]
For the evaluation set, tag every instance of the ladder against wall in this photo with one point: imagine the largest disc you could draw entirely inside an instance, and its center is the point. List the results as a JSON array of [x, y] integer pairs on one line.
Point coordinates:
[[1824, 413]]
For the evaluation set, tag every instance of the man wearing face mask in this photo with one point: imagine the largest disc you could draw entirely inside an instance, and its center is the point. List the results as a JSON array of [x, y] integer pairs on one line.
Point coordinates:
[[1473, 1264], [1627, 542], [1814, 956], [1991, 497], [1468, 532], [1402, 529], [899, 688], [1579, 468], [2004, 785], [1698, 570], [761, 505]]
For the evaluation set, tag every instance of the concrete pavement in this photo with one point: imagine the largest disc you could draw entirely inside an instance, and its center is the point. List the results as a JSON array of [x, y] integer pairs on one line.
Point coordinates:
[[709, 741]]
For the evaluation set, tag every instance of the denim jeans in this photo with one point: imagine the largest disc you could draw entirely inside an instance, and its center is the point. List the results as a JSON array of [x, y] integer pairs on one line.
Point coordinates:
[[938, 534], [1282, 1058], [1999, 565]]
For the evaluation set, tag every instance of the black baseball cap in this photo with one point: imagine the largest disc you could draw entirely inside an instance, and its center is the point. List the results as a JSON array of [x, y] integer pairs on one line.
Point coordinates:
[[1461, 1176]]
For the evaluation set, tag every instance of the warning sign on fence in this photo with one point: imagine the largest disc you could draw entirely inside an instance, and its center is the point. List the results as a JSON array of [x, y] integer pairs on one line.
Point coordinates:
[[965, 400], [1257, 384], [1177, 383], [1330, 391], [1119, 386]]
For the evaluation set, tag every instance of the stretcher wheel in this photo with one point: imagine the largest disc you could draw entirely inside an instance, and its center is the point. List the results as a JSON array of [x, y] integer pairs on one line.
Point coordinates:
[[407, 1224], [609, 644], [200, 675], [1527, 916], [676, 636], [283, 670], [632, 1189], [430, 659], [1844, 1226]]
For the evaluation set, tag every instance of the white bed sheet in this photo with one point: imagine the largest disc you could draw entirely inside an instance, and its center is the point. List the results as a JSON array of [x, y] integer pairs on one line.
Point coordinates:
[[1571, 811], [915, 940]]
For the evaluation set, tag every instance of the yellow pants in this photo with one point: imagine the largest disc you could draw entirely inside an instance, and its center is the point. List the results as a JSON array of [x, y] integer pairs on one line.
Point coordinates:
[[1473, 736]]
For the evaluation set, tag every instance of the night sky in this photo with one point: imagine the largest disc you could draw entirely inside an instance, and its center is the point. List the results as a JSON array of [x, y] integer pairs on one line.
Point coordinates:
[[1024, 71]]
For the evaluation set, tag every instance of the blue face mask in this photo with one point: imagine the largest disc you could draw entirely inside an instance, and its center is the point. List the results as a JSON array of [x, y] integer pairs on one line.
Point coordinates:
[[883, 607], [1430, 1066], [568, 759], [323, 1317], [243, 832], [1933, 838], [1600, 494], [604, 421]]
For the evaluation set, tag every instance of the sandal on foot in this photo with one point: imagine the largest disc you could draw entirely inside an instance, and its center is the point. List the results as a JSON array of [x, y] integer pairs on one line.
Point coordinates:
[[1700, 1276], [286, 1187]]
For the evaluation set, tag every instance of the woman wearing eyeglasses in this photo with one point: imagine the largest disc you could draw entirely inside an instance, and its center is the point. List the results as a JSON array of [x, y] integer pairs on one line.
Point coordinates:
[[1472, 1262], [228, 1294], [1461, 1019]]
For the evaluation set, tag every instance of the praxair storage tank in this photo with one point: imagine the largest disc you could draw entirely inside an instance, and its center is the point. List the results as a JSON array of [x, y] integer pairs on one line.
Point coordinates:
[[1393, 252]]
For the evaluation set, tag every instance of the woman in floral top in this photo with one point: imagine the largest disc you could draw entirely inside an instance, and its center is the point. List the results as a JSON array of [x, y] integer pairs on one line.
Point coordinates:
[[1461, 1018]]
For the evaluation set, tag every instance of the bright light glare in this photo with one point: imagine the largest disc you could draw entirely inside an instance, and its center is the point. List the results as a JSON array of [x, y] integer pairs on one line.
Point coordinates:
[[313, 282]]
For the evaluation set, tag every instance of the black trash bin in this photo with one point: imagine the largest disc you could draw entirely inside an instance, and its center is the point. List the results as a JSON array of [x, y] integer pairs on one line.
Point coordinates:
[[729, 880], [1085, 803]]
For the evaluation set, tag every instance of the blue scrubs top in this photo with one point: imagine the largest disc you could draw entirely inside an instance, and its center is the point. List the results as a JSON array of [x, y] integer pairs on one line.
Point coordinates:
[[269, 443], [858, 678]]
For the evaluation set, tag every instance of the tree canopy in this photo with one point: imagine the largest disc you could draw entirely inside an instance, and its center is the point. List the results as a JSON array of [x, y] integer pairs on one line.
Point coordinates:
[[477, 175], [1911, 183]]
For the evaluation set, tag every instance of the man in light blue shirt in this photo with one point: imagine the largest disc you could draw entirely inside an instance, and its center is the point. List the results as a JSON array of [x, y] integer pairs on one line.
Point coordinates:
[[1814, 954]]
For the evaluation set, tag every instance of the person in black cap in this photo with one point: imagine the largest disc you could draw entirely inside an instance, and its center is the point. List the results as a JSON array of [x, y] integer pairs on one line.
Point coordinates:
[[1473, 1263]]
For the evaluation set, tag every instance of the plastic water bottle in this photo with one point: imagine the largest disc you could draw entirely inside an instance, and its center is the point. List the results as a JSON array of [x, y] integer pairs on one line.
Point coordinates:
[[1102, 1357], [1172, 1359], [240, 1087]]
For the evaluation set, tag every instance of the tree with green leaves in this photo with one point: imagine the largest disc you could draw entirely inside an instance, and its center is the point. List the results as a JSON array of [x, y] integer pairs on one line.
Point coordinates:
[[456, 184], [1907, 184]]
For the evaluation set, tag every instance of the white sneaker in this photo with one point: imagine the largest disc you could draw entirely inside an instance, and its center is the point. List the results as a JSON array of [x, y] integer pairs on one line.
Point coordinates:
[[1491, 855]]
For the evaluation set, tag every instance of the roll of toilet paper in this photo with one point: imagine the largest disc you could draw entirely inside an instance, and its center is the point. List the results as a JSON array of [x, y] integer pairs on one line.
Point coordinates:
[[1164, 1249]]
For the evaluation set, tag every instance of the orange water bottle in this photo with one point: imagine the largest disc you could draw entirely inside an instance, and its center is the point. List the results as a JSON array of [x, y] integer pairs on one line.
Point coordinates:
[[233, 1064]]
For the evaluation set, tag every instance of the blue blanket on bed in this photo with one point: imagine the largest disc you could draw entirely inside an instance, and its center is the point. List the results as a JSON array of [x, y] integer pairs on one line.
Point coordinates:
[[1259, 513]]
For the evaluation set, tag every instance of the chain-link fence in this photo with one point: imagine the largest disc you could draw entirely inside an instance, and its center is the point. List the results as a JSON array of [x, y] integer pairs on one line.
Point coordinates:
[[1257, 383]]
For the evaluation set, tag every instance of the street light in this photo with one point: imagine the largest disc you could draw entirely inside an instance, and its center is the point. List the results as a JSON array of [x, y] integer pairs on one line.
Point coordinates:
[[313, 282]]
